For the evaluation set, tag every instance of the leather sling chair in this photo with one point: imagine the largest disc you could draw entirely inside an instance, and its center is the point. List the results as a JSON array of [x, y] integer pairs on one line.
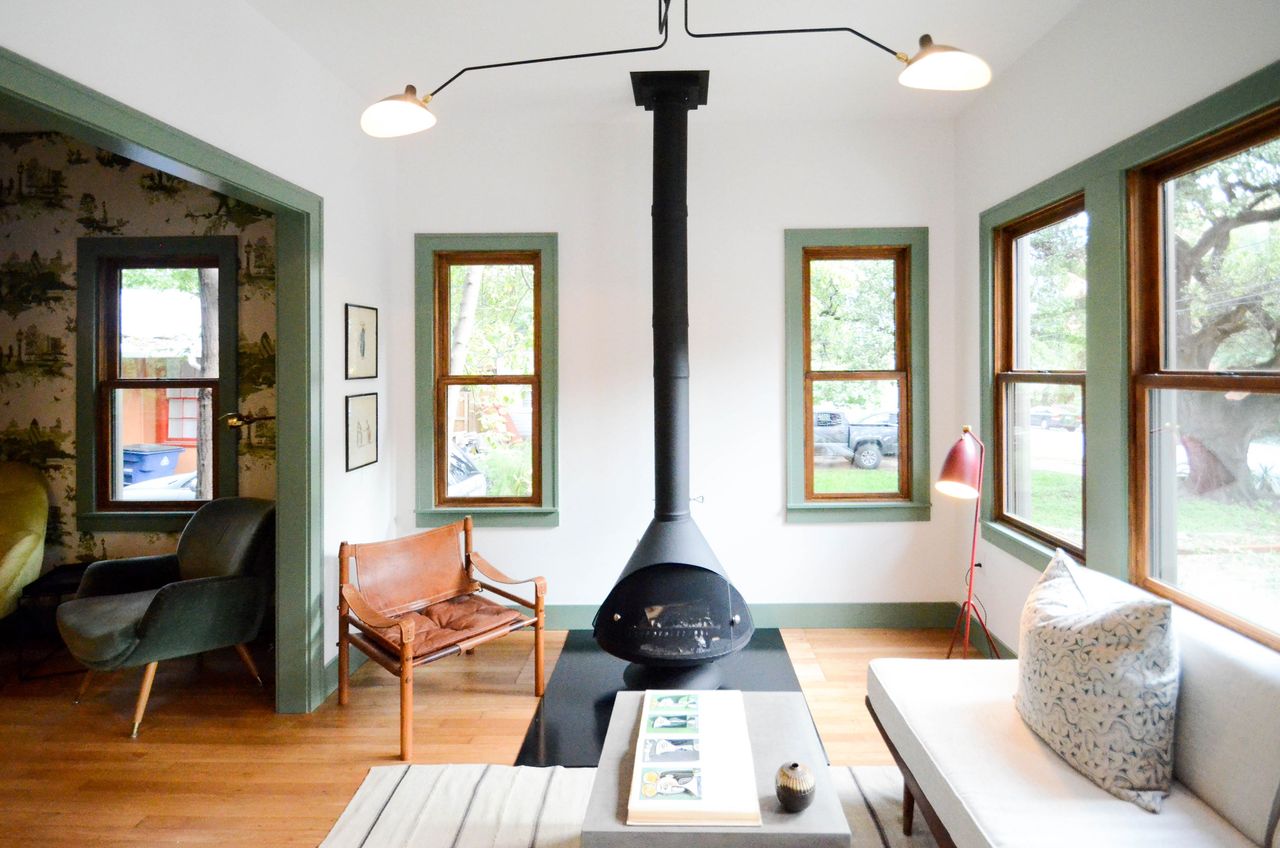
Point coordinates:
[[415, 600], [211, 594]]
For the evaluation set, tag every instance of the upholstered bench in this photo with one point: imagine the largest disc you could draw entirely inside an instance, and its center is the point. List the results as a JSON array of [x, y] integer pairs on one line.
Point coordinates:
[[981, 777]]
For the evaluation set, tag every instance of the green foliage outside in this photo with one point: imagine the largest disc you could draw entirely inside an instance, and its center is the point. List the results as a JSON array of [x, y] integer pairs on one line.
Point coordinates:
[[162, 279], [849, 480], [491, 315], [508, 470], [851, 328]]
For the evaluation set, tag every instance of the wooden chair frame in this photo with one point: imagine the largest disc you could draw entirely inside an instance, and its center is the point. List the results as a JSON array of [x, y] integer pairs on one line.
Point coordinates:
[[354, 611]]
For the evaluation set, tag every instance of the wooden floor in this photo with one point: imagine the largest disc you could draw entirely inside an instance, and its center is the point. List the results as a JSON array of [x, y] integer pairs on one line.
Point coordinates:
[[214, 765]]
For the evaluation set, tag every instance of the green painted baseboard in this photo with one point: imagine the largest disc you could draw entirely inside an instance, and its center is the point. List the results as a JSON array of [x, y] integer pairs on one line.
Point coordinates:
[[979, 641]]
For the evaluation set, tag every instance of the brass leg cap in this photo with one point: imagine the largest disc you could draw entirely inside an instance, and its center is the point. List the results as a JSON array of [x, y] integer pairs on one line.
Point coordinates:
[[134, 734]]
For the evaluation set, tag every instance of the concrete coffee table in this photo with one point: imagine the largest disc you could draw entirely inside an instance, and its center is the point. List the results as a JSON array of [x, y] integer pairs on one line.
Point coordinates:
[[781, 730]]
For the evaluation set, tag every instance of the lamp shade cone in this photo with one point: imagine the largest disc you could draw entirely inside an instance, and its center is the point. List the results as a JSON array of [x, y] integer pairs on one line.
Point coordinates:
[[397, 115], [962, 469], [940, 67]]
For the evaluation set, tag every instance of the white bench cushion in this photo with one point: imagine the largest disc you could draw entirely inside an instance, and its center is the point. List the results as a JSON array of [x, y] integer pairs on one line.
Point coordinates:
[[993, 782]]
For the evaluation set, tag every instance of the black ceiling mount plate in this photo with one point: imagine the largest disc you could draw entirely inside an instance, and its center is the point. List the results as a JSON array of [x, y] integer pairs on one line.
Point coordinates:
[[687, 86]]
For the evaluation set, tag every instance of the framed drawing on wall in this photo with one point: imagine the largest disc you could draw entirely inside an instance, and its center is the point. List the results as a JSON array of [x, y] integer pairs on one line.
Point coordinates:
[[362, 430], [362, 342]]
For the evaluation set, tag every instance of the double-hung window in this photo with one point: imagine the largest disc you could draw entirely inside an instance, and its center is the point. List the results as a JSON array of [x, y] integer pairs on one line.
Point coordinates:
[[486, 377], [856, 327], [1205, 286], [1039, 357], [156, 370]]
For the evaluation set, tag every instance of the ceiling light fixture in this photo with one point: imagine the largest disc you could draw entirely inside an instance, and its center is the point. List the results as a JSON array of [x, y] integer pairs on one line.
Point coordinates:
[[937, 67]]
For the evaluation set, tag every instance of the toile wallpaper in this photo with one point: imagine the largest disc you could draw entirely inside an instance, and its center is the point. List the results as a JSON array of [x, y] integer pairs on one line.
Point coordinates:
[[54, 190]]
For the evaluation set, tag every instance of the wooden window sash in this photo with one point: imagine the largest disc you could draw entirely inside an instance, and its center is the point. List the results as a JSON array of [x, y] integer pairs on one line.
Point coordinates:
[[900, 255], [1007, 375], [1148, 340], [444, 378], [110, 381]]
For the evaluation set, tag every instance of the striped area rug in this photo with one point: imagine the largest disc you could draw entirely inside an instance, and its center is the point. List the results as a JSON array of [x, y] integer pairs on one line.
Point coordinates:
[[479, 806]]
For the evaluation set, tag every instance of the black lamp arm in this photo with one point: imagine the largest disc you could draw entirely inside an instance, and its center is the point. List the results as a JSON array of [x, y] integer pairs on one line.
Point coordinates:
[[900, 56], [664, 8]]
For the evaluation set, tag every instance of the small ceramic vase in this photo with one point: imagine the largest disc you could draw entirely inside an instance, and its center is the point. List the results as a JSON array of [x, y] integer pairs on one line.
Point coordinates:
[[795, 786]]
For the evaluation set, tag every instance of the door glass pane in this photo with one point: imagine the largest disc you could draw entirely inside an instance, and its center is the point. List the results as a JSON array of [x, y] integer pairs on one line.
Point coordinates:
[[491, 319], [490, 431], [156, 457], [1215, 498], [856, 435], [851, 315], [1222, 264], [1049, 296], [1044, 458], [168, 323]]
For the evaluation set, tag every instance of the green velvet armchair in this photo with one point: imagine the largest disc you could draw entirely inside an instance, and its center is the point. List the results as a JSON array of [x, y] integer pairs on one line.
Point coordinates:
[[211, 594], [24, 514]]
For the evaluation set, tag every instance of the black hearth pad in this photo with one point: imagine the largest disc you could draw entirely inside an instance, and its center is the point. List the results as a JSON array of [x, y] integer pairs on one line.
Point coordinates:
[[569, 726]]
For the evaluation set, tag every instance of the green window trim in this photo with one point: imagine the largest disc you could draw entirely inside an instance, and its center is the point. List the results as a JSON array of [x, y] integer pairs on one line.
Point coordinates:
[[93, 256], [1102, 178], [800, 511], [426, 246]]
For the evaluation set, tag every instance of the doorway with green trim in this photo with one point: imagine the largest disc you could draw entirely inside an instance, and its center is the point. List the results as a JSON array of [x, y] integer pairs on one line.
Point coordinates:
[[52, 115]]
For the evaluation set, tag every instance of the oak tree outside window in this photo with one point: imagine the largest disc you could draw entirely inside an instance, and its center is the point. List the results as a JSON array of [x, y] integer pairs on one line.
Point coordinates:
[[856, 373], [488, 378], [161, 372], [1039, 356], [1205, 288]]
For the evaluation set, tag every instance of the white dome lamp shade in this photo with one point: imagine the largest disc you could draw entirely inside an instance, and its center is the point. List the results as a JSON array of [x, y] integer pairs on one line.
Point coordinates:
[[940, 67], [397, 115]]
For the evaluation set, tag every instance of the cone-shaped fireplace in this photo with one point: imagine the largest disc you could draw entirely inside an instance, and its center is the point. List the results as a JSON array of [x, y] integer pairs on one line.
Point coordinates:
[[673, 611]]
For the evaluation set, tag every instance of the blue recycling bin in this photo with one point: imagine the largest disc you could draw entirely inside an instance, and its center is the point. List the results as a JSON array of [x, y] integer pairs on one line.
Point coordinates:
[[145, 462]]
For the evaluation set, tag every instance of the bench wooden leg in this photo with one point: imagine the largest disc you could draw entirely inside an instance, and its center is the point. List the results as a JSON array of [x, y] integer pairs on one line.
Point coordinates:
[[908, 809], [406, 711]]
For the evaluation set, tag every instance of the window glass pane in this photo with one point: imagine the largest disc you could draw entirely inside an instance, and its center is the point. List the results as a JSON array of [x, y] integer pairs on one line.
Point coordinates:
[[153, 455], [1049, 296], [855, 437], [851, 315], [490, 431], [491, 319], [1215, 498], [168, 323], [1223, 264], [1044, 459]]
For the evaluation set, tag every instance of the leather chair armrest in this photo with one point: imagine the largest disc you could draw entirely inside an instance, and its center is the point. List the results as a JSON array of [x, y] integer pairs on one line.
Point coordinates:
[[372, 617], [488, 569], [134, 574], [191, 616]]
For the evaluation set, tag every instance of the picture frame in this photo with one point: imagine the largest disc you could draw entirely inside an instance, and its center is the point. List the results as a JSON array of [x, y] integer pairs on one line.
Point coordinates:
[[362, 430], [361, 342]]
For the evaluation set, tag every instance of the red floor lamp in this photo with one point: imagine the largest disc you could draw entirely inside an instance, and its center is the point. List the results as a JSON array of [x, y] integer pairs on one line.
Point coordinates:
[[961, 477]]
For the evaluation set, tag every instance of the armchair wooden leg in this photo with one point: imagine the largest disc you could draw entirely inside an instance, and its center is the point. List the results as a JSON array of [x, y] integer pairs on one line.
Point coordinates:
[[84, 686], [406, 710], [908, 809], [344, 664], [247, 659], [148, 677]]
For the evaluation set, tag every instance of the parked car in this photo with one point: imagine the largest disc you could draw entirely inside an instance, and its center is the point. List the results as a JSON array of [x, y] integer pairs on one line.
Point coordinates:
[[173, 487], [1054, 418], [863, 442], [465, 479], [874, 437]]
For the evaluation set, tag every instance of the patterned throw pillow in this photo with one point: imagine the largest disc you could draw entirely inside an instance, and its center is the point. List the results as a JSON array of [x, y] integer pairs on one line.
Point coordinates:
[[1099, 684]]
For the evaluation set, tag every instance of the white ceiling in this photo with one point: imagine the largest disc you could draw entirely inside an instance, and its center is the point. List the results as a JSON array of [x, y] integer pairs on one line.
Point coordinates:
[[378, 46]]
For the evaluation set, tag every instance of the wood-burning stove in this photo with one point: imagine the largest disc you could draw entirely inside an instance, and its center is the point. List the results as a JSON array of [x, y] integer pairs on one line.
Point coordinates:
[[673, 611]]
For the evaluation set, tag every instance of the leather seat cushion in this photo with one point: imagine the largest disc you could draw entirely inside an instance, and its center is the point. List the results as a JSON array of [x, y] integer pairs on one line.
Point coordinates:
[[102, 631], [449, 622]]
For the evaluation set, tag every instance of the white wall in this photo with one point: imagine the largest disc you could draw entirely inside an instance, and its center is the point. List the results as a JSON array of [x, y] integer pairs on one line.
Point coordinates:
[[748, 182], [1108, 70], [225, 75]]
